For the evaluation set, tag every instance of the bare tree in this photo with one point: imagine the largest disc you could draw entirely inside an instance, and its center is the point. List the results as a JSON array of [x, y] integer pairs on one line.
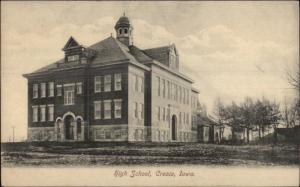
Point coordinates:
[[289, 114], [293, 76]]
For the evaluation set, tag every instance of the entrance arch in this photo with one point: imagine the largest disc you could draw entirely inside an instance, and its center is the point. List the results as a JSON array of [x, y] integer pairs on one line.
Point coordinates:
[[174, 127], [69, 129]]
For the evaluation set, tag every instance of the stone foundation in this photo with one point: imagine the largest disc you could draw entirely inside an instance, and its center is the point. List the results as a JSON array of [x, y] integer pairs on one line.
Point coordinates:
[[160, 135], [108, 132], [138, 134], [41, 134]]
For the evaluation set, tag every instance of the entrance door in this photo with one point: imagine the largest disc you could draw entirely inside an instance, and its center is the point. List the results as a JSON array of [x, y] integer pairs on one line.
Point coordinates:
[[174, 124], [69, 128]]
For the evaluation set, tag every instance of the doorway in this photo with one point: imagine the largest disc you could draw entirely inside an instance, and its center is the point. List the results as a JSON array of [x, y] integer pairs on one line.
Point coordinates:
[[174, 130], [69, 127]]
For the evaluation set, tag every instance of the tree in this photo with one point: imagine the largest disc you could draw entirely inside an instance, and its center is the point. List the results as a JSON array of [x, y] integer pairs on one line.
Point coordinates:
[[219, 111], [233, 118], [289, 114], [293, 76], [267, 115], [248, 117]]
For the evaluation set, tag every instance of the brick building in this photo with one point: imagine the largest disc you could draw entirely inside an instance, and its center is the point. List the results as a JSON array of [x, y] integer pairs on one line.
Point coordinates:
[[112, 91]]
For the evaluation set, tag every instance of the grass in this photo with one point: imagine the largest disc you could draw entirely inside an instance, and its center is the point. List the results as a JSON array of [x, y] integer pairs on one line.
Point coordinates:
[[108, 153]]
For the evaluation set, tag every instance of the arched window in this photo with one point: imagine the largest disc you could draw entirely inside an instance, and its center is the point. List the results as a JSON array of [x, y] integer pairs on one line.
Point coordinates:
[[125, 31], [120, 31]]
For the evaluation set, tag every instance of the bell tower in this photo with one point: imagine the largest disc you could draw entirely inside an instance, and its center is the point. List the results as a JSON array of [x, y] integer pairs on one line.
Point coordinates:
[[124, 30]]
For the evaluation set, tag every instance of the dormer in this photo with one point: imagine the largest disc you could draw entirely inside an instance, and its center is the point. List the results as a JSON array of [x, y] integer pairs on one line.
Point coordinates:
[[173, 58], [167, 55], [73, 51]]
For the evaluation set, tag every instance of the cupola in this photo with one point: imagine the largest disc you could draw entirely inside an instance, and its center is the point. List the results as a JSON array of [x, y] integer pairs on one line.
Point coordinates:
[[124, 30]]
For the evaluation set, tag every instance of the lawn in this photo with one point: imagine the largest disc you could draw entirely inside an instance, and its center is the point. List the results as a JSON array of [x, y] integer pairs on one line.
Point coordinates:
[[99, 154]]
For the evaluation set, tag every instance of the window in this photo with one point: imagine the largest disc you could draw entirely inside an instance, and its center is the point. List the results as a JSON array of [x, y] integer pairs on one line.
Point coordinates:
[[141, 84], [136, 85], [35, 93], [164, 114], [73, 58], [188, 96], [180, 94], [35, 110], [168, 115], [51, 89], [183, 91], [58, 90], [168, 90], [107, 109], [83, 60], [141, 111], [136, 110], [50, 112], [164, 88], [69, 94], [43, 89], [120, 31], [78, 124], [158, 86], [118, 81], [118, 108], [107, 83], [176, 92], [172, 91], [97, 109], [187, 118], [97, 84], [107, 135], [180, 118], [158, 113], [43, 112], [79, 88], [125, 31]]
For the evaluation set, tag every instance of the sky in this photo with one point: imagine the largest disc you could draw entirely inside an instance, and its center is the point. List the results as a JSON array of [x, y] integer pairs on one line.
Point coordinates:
[[230, 49]]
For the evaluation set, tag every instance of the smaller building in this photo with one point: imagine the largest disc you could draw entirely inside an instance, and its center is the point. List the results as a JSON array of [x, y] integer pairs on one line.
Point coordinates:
[[208, 130]]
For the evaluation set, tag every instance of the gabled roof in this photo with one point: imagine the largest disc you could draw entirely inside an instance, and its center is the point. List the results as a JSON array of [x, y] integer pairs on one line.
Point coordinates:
[[107, 51], [205, 120], [71, 43], [139, 54], [156, 52], [111, 51]]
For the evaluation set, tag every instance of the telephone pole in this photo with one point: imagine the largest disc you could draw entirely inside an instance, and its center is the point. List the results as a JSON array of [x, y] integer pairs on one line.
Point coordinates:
[[13, 133]]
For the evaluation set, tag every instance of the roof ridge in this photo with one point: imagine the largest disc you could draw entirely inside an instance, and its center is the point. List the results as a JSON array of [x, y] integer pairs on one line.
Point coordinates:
[[166, 46], [98, 42], [142, 51], [125, 50]]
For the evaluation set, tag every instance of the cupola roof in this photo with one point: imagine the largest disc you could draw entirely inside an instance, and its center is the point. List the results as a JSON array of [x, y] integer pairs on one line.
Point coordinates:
[[122, 22]]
